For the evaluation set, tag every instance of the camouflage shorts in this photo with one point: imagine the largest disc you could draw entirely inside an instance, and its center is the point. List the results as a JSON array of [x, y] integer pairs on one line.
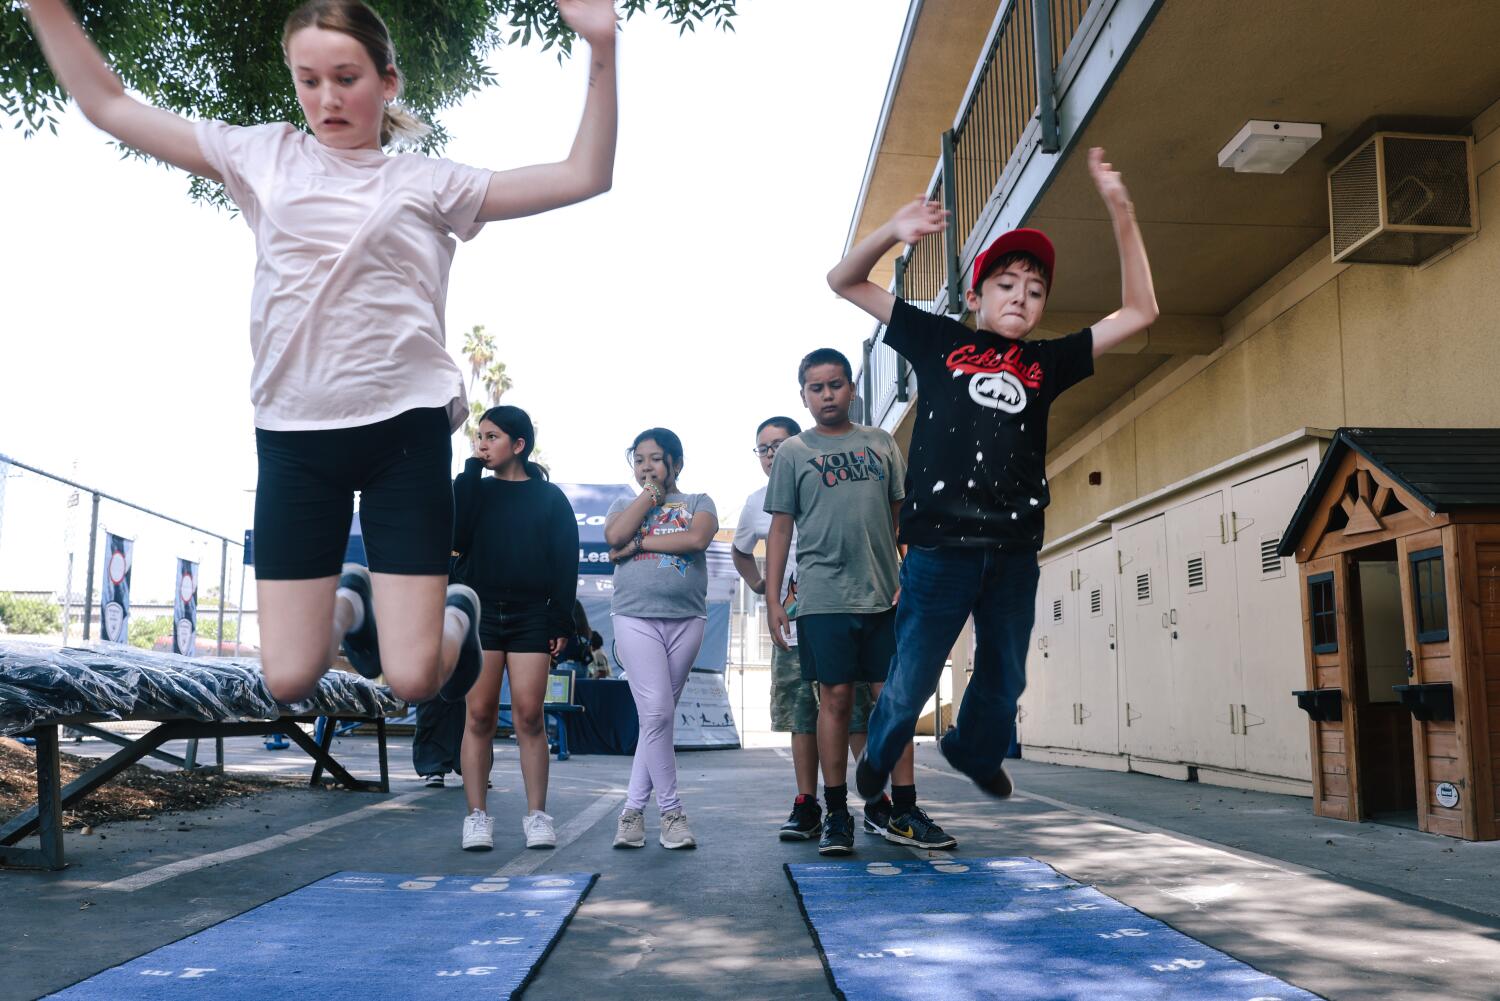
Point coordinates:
[[794, 702]]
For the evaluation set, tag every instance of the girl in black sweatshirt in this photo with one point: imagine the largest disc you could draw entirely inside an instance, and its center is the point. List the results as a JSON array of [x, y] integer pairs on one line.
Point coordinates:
[[518, 539]]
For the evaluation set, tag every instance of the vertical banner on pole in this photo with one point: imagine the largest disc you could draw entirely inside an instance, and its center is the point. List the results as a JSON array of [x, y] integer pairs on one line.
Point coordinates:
[[185, 609], [114, 600]]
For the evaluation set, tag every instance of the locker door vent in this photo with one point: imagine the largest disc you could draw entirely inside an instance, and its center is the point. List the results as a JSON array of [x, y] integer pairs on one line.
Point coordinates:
[[1096, 601], [1197, 578], [1271, 565], [1143, 588], [1056, 609]]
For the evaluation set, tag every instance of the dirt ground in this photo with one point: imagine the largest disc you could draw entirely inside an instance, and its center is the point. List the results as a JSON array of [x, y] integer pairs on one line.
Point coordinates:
[[137, 793]]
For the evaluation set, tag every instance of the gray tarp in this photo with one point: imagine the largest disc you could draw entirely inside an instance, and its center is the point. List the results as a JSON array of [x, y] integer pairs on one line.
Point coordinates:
[[109, 682]]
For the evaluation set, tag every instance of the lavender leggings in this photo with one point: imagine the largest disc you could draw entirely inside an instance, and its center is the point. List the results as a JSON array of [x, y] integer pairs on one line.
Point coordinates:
[[657, 655]]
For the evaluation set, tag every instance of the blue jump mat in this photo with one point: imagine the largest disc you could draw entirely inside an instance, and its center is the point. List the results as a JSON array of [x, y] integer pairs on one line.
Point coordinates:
[[363, 935], [1004, 929]]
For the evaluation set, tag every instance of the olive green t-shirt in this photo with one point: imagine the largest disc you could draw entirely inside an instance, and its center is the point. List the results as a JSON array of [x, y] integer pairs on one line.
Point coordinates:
[[839, 490]]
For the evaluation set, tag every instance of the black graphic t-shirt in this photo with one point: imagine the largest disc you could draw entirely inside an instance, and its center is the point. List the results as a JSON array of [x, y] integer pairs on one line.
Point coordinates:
[[977, 471]]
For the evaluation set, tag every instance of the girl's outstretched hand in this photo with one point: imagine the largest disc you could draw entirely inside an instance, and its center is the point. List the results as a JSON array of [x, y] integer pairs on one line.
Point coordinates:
[[594, 20], [918, 218], [1108, 180]]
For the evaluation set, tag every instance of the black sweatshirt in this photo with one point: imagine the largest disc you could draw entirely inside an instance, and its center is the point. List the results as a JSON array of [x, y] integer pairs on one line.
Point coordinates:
[[520, 539]]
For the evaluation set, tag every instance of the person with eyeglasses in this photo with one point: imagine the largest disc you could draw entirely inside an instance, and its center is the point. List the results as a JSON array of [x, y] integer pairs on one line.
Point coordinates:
[[658, 543], [794, 700]]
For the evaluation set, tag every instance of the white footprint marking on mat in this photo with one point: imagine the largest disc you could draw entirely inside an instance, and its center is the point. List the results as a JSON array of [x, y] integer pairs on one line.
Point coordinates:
[[495, 879], [414, 884], [950, 867], [489, 887], [554, 882], [882, 869], [1003, 864]]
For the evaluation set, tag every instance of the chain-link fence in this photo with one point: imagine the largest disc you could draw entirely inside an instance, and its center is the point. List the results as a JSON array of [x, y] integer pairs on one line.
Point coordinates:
[[55, 565]]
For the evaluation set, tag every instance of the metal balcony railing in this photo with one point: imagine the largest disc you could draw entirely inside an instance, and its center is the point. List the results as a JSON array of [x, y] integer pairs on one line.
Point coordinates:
[[1012, 87]]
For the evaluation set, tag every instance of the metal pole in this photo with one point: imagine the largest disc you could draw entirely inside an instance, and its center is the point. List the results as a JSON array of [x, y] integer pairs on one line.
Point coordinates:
[[1046, 84], [88, 594], [951, 237], [239, 612], [223, 583], [68, 602]]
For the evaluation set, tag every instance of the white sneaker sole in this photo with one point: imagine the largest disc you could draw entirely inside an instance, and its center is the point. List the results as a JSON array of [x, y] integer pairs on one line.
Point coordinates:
[[677, 844], [541, 843], [621, 843], [479, 846]]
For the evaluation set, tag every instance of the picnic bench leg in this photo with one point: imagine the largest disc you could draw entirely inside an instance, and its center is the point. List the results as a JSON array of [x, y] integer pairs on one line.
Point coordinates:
[[385, 772], [321, 757], [28, 821], [219, 755], [191, 757], [49, 797], [119, 741]]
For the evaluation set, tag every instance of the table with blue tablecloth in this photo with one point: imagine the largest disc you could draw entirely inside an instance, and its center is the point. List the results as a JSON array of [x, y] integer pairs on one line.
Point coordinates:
[[608, 723]]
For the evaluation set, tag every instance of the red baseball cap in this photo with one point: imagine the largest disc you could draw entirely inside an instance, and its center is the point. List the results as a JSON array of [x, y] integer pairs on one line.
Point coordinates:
[[1028, 241]]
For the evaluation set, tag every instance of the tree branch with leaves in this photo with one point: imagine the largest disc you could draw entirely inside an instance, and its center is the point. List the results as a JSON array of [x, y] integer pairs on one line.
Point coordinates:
[[222, 59]]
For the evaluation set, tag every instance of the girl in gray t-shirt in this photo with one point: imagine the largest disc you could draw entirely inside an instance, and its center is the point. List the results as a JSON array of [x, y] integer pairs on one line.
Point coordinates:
[[659, 607]]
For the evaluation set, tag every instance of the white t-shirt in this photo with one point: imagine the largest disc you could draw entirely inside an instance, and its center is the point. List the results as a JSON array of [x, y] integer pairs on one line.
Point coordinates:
[[353, 249], [753, 527]]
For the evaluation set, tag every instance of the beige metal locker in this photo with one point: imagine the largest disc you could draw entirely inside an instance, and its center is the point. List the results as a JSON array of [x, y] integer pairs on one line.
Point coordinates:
[[1098, 645], [1201, 619], [1272, 730], [1056, 637], [1146, 682]]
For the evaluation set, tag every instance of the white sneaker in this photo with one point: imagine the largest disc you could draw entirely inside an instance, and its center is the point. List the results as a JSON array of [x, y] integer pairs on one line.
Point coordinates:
[[675, 832], [631, 831], [479, 832], [538, 828]]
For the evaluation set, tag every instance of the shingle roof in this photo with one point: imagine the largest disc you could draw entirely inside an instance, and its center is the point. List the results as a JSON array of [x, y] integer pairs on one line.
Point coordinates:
[[1446, 469]]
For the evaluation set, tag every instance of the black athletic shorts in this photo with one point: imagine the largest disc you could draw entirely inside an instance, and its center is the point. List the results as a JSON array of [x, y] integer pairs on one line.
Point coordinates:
[[514, 626], [840, 648], [304, 498]]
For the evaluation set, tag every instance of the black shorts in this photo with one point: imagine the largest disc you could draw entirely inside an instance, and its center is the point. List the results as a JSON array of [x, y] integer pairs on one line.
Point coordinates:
[[840, 648], [304, 497], [514, 626]]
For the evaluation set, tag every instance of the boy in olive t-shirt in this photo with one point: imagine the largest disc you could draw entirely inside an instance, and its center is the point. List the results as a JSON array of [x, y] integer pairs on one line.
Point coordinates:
[[841, 485]]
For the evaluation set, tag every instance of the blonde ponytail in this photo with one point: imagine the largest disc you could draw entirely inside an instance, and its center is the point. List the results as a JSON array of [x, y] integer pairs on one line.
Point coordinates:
[[402, 128]]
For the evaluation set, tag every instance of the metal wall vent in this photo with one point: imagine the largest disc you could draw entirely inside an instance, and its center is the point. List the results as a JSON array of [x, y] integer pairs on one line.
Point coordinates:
[[1143, 588], [1096, 601], [1197, 577], [1270, 563], [1401, 197], [1056, 609]]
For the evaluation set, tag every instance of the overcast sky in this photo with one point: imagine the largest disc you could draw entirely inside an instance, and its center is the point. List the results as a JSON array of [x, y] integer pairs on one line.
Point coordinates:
[[684, 297]]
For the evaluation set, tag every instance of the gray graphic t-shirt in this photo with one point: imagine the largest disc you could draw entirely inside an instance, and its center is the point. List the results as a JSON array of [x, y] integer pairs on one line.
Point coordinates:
[[839, 490], [659, 586]]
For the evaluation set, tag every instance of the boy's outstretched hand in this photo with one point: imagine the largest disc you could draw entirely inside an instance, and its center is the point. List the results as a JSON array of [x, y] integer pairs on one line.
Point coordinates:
[[594, 20], [1108, 180], [918, 218]]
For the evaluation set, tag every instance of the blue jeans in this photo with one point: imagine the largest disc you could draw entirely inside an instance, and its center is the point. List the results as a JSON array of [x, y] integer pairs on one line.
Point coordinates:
[[940, 588]]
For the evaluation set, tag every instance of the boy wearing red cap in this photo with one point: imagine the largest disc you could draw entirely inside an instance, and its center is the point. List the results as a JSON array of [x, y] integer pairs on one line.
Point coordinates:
[[976, 485]]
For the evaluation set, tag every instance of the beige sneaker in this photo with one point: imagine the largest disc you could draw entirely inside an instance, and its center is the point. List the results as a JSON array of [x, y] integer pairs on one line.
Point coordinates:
[[675, 832], [631, 831]]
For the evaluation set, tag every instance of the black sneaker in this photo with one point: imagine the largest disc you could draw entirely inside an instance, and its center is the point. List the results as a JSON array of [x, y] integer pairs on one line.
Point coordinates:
[[433, 781], [877, 814], [838, 834], [805, 822], [470, 656], [998, 785], [361, 647], [918, 830], [869, 782]]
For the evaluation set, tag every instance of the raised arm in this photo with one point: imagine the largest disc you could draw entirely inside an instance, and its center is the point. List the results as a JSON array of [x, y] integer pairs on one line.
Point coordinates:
[[590, 166], [850, 278], [87, 78], [1138, 308]]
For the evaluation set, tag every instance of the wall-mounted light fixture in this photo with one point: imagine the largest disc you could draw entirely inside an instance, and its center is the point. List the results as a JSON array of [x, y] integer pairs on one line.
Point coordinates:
[[1263, 147]]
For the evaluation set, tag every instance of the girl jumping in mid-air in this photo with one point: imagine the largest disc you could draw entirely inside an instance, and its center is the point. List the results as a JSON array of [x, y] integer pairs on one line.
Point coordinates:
[[352, 386], [519, 538], [659, 608]]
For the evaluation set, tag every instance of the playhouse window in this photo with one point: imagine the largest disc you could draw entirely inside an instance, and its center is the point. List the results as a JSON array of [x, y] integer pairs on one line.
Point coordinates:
[[1430, 593], [1325, 633]]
